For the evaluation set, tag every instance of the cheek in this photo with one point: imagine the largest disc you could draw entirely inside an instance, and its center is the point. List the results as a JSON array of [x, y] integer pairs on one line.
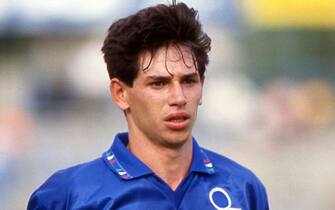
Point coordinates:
[[149, 105], [194, 95], [157, 98]]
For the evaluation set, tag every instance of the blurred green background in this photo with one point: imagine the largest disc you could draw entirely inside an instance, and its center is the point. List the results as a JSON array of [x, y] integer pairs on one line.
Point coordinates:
[[269, 97]]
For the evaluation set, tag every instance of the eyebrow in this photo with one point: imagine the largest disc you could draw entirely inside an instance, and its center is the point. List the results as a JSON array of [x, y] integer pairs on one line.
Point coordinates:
[[190, 75]]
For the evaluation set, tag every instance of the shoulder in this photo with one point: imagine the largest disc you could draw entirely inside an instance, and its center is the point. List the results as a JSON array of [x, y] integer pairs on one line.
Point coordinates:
[[228, 166], [238, 173], [241, 177], [79, 171], [54, 192]]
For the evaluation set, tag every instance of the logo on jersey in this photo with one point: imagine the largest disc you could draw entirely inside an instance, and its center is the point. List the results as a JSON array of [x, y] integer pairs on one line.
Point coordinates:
[[116, 166], [227, 197]]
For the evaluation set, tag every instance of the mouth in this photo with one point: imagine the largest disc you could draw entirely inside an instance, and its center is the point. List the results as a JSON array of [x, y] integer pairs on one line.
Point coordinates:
[[177, 120]]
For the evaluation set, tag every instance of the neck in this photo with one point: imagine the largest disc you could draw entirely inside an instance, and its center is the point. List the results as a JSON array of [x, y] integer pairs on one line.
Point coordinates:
[[170, 164]]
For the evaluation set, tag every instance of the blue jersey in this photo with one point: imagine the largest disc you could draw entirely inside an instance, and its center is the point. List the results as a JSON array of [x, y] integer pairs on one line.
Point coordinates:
[[119, 180]]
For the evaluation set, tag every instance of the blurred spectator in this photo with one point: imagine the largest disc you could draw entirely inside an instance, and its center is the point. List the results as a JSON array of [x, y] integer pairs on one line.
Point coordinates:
[[15, 137], [315, 102], [53, 94], [291, 108]]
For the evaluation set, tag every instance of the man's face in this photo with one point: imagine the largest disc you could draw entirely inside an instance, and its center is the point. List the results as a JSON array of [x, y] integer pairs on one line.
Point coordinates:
[[164, 99]]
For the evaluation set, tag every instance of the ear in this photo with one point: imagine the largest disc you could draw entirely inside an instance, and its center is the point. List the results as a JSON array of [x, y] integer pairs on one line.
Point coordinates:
[[118, 91], [202, 80]]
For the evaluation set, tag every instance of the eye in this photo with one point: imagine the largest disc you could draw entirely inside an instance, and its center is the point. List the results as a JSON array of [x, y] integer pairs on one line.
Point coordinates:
[[190, 81], [158, 84]]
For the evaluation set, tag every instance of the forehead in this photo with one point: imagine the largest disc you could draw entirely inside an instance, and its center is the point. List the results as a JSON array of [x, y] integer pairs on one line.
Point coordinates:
[[169, 59]]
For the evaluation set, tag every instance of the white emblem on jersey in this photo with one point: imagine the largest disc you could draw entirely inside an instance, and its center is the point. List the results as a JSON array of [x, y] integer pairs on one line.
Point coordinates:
[[209, 165], [121, 173], [220, 190], [110, 157]]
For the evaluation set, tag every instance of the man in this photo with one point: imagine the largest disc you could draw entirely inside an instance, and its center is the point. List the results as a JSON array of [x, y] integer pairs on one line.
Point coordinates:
[[156, 60]]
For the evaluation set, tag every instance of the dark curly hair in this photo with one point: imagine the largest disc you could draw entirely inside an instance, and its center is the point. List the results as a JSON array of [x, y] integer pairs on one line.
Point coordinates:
[[150, 29]]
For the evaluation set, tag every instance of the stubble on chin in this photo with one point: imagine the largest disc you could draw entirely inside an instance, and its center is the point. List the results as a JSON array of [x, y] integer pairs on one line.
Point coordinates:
[[175, 143]]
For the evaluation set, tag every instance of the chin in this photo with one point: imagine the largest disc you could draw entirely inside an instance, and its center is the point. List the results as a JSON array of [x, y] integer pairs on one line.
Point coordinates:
[[176, 140]]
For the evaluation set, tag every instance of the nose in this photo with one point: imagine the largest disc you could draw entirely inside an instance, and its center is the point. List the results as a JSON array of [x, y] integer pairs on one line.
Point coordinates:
[[177, 95]]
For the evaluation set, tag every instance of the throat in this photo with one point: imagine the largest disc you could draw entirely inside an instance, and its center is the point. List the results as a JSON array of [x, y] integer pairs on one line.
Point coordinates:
[[173, 183], [172, 174], [170, 165]]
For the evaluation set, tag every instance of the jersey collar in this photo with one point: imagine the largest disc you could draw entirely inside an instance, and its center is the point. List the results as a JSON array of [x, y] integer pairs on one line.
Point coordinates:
[[200, 162], [127, 166]]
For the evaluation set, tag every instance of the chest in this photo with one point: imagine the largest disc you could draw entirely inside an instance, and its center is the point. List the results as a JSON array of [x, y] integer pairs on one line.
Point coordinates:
[[196, 193]]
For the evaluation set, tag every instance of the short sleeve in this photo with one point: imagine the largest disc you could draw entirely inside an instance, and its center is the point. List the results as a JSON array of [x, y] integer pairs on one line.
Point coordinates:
[[257, 195], [51, 195]]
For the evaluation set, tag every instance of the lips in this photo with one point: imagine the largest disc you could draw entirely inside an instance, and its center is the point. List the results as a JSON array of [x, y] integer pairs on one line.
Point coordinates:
[[177, 120]]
